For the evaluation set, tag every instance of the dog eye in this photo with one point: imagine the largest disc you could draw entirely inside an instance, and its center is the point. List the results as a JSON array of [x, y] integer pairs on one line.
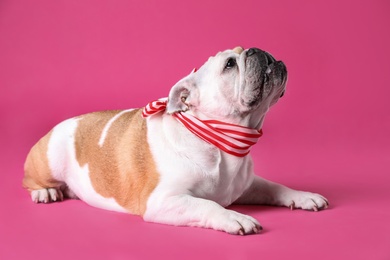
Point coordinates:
[[230, 63]]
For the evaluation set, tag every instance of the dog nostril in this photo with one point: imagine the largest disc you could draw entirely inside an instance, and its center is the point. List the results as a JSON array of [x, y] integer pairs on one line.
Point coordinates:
[[252, 51]]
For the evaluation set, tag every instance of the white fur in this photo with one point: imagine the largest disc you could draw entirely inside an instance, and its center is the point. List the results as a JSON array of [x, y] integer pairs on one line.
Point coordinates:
[[65, 167], [194, 190]]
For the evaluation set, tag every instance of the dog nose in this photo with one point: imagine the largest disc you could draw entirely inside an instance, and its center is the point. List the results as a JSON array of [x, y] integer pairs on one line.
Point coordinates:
[[252, 51]]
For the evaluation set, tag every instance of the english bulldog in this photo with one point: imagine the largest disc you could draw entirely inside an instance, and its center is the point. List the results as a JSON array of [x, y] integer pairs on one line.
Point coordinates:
[[179, 160]]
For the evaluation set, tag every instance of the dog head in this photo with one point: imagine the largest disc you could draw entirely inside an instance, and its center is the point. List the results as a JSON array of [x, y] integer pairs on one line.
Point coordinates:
[[238, 86]]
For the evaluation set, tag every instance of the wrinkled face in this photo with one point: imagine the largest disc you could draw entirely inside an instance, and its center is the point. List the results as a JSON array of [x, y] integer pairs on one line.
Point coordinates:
[[236, 85]]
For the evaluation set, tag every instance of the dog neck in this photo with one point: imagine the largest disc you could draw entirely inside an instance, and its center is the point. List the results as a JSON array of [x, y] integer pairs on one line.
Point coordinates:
[[233, 139]]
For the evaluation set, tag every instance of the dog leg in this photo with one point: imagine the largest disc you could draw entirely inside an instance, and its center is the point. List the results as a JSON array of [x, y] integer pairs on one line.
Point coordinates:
[[38, 179], [269, 193], [185, 210]]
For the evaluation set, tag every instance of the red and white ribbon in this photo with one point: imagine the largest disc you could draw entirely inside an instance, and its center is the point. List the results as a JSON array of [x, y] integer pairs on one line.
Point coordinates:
[[233, 139]]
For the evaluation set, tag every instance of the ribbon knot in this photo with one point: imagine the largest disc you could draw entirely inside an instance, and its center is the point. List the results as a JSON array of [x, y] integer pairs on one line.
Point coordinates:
[[230, 138]]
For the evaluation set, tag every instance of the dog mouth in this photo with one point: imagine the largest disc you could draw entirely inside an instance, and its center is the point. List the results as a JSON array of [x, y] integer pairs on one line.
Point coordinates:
[[264, 75]]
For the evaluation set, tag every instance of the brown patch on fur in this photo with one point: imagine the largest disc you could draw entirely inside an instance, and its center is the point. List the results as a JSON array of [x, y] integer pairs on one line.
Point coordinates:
[[37, 173], [123, 168], [238, 49]]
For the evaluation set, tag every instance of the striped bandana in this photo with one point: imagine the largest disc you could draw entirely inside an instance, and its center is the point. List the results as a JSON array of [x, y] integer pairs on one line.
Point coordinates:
[[233, 139]]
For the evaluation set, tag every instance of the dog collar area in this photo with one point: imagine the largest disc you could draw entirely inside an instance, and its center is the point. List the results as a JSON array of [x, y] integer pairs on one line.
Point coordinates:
[[230, 138]]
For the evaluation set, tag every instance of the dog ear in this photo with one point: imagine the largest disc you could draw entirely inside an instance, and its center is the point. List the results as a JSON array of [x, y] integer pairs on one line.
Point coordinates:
[[177, 100], [180, 96]]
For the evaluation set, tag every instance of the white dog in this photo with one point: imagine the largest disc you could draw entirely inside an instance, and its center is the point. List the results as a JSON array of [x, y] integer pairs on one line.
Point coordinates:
[[179, 160]]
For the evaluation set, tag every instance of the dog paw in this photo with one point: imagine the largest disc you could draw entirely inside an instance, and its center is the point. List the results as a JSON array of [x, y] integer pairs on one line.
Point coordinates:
[[307, 201], [237, 224], [47, 195]]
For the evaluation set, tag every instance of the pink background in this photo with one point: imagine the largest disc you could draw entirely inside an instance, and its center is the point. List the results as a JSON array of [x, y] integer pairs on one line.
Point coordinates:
[[329, 134]]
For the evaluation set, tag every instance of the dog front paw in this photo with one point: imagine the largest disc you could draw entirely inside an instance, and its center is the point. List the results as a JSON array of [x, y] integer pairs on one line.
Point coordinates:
[[307, 201], [236, 223]]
